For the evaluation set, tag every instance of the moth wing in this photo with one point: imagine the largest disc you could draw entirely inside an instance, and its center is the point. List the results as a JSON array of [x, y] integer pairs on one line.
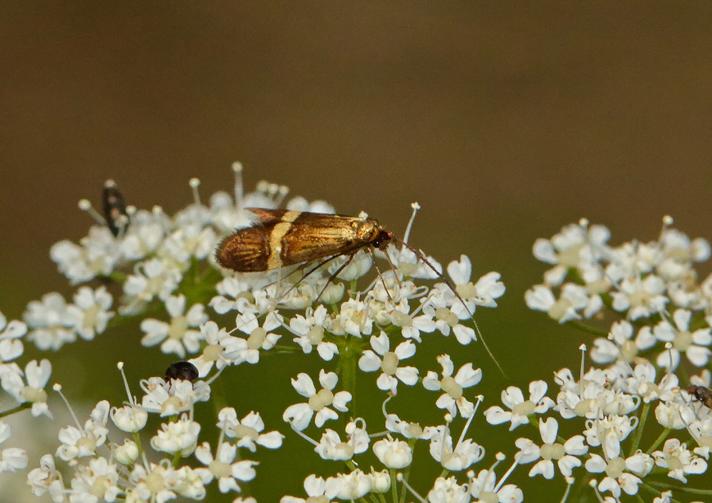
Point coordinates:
[[246, 250], [313, 236]]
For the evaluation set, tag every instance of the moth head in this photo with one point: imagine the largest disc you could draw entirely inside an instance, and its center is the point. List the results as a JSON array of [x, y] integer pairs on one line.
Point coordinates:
[[382, 239]]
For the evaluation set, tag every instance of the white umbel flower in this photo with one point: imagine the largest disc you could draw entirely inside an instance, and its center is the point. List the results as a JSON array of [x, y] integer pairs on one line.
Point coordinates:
[[49, 322], [258, 337], [448, 490], [46, 480], [179, 336], [309, 330], [453, 399], [11, 458], [31, 388], [249, 431], [640, 298], [693, 343], [622, 344], [315, 487], [387, 361], [216, 351], [177, 437], [520, 409], [89, 314], [83, 441], [394, 454], [331, 447], [621, 474], [11, 346], [224, 467], [565, 454], [173, 397], [679, 461], [319, 402]]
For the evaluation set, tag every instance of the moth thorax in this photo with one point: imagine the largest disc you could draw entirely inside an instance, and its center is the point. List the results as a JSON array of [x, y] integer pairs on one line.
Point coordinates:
[[367, 231]]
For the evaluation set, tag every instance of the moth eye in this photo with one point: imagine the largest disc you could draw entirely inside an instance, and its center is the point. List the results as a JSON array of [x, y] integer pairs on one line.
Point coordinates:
[[184, 371]]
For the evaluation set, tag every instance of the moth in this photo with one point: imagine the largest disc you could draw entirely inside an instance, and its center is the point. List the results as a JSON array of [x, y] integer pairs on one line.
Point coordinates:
[[701, 394], [281, 238]]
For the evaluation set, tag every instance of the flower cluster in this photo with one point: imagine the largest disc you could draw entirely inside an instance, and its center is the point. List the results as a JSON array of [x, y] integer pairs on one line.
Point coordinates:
[[98, 467], [377, 315]]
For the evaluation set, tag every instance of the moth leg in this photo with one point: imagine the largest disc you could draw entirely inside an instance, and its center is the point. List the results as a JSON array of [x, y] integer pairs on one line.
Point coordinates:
[[336, 273], [380, 274], [306, 274]]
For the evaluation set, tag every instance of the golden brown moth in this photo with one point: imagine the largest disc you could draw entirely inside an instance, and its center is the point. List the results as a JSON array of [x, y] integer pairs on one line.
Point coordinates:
[[281, 238]]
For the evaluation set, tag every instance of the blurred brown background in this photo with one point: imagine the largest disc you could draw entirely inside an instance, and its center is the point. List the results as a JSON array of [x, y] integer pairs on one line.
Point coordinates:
[[505, 120]]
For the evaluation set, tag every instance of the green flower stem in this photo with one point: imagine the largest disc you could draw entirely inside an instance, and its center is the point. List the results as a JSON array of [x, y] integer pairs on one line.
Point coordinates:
[[118, 276], [217, 390], [14, 410], [661, 438], [639, 431], [176, 459], [654, 491], [139, 444], [684, 489], [348, 355], [590, 329], [394, 486]]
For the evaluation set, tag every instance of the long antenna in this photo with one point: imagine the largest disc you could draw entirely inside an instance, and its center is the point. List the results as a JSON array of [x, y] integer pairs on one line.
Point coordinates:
[[450, 285]]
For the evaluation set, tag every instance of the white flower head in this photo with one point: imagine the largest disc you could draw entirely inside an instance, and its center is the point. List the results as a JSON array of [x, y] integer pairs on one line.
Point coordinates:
[[259, 337], [621, 474], [319, 404], [448, 490], [309, 331], [12, 459], [172, 397], [453, 399], [693, 343], [177, 437], [520, 409], [11, 346], [89, 314], [393, 454], [485, 487], [331, 447], [564, 453], [49, 322], [249, 431], [315, 487], [46, 480], [217, 350], [640, 297], [83, 440], [464, 454], [179, 336], [28, 386], [679, 461], [622, 344], [388, 362], [224, 467]]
